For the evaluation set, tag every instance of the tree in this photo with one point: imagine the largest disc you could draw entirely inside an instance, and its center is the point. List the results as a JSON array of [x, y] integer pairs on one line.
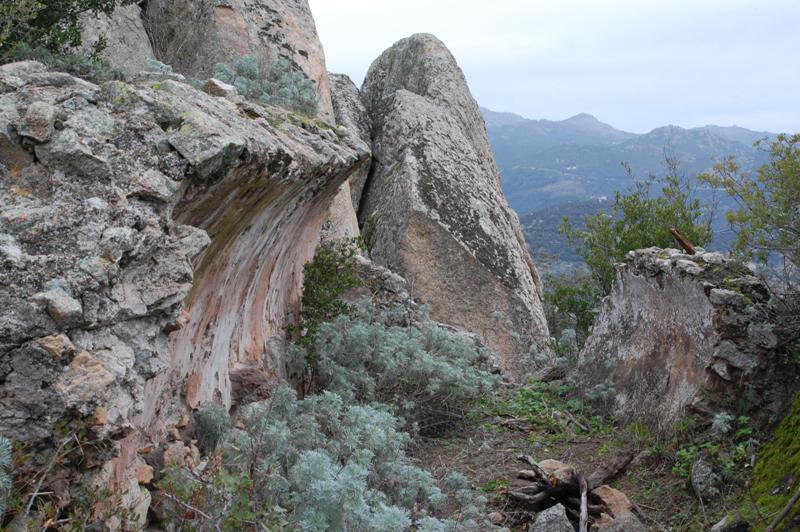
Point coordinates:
[[637, 220], [54, 25], [768, 218]]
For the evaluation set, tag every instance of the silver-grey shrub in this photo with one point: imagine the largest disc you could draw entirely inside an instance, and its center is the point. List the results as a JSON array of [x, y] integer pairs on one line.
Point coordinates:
[[321, 464], [5, 474], [428, 374], [282, 83]]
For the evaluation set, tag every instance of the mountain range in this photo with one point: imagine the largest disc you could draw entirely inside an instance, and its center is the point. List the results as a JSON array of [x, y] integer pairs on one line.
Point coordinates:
[[552, 169], [544, 162]]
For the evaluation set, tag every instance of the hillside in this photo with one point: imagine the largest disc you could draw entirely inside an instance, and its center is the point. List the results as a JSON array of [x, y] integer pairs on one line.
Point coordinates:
[[544, 163]]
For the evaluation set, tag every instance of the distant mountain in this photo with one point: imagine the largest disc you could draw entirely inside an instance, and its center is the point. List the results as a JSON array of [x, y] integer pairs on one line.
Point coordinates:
[[552, 169], [546, 162]]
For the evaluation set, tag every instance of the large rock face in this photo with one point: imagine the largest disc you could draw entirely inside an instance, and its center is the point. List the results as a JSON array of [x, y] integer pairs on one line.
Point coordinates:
[[433, 210], [152, 239], [683, 331], [127, 45], [266, 29], [354, 122]]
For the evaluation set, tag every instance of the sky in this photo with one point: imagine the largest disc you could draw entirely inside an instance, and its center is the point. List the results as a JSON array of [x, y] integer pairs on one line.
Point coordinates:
[[635, 64]]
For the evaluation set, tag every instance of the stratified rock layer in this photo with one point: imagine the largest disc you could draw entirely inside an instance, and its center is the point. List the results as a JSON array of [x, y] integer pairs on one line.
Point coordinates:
[[152, 239], [682, 331], [266, 29], [433, 209]]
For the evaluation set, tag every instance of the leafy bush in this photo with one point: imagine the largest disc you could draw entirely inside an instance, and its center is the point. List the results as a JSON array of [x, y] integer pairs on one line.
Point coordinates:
[[5, 474], [426, 373], [212, 423], [768, 219], [637, 220], [54, 25], [283, 83], [571, 304], [315, 464]]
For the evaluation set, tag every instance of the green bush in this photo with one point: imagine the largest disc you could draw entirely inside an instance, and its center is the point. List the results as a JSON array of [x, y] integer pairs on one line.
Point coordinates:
[[767, 220], [316, 464], [283, 83], [54, 25], [5, 474], [428, 374], [212, 423], [571, 303], [639, 219]]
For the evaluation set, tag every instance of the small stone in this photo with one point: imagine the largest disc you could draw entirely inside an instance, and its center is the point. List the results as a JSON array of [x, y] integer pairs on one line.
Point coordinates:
[[175, 434], [154, 185], [497, 518], [183, 422], [218, 88], [554, 519], [62, 307], [179, 323], [10, 250], [101, 415], [58, 345], [722, 297], [705, 480], [144, 474], [554, 468], [97, 204], [688, 266], [175, 454], [39, 122]]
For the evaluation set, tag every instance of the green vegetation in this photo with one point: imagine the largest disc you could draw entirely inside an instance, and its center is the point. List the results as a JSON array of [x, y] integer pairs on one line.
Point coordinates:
[[571, 303], [5, 474], [775, 476], [553, 409], [639, 219], [53, 25], [427, 374], [213, 423], [77, 63], [768, 220], [321, 463], [326, 278], [282, 83]]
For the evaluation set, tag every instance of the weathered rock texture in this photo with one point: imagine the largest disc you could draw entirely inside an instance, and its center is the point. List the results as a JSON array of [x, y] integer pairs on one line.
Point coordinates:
[[433, 209], [353, 122], [113, 313], [684, 331], [266, 29], [127, 45], [351, 114]]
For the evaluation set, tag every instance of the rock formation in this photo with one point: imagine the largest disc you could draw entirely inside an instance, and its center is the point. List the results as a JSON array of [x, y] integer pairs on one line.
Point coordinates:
[[354, 122], [152, 244], [217, 32], [681, 331], [433, 210], [127, 44]]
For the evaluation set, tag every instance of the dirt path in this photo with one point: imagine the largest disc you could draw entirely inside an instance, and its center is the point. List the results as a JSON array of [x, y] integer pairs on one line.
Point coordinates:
[[535, 420]]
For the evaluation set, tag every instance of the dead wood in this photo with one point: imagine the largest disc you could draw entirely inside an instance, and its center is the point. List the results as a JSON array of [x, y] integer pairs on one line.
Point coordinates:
[[611, 469], [683, 241]]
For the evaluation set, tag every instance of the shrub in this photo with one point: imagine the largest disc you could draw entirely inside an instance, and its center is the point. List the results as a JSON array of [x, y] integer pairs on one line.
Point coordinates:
[[283, 83], [639, 219], [767, 220], [428, 374], [314, 464], [54, 25], [571, 304], [177, 29], [212, 423], [5, 474]]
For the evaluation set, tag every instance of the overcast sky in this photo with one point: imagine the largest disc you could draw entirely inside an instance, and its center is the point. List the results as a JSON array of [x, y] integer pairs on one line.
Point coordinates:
[[636, 64]]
